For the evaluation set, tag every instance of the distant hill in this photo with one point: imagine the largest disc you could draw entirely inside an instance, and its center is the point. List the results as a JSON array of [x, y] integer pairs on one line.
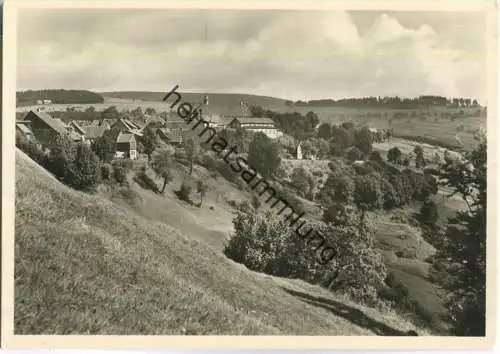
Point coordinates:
[[60, 96], [219, 103]]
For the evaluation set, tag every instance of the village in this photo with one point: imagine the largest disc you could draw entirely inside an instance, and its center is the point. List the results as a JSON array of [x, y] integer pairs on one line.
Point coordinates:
[[126, 130], [334, 181]]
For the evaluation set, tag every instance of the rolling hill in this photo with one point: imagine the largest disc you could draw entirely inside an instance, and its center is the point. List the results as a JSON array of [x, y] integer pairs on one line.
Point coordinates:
[[87, 264], [219, 103]]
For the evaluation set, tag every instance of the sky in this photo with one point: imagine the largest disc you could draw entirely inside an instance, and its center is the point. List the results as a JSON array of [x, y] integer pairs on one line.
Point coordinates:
[[289, 54]]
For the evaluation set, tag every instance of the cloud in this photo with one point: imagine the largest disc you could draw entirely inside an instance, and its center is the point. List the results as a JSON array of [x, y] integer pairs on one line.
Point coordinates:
[[296, 55]]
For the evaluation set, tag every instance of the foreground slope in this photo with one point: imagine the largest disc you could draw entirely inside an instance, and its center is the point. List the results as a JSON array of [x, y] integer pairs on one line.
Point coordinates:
[[85, 265]]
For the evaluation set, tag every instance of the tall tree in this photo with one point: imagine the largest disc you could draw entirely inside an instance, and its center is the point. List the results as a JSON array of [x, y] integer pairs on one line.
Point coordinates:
[[85, 170], [303, 181], [363, 140], [419, 156], [263, 155], [104, 147], [161, 162], [111, 113], [325, 131], [367, 193], [148, 141], [201, 188], [191, 148], [465, 242]]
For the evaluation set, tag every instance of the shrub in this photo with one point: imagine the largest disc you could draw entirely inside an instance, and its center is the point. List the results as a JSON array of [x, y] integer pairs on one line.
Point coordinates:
[[256, 203], [85, 171], [184, 192], [106, 171], [375, 156], [144, 180], [120, 173], [429, 214], [354, 154], [265, 242], [394, 155]]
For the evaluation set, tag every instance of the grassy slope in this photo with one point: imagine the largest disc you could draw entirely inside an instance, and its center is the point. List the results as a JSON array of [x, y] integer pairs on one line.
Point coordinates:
[[219, 103], [87, 265]]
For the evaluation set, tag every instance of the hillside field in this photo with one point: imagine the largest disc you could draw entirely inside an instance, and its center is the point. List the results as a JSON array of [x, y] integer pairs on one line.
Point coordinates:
[[85, 264]]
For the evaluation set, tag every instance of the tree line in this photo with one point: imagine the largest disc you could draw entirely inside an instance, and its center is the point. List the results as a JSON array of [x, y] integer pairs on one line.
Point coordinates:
[[30, 97], [395, 102]]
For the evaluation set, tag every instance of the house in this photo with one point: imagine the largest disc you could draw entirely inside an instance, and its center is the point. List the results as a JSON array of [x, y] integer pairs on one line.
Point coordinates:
[[76, 127], [126, 146], [299, 152], [46, 129], [93, 132], [24, 130], [255, 124], [124, 125], [172, 136], [215, 121]]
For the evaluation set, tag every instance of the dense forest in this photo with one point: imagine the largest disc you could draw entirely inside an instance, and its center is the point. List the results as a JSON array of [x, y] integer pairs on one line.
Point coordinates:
[[58, 96], [393, 102]]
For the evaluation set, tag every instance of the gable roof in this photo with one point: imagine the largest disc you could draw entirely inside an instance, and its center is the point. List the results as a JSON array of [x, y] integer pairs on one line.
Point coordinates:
[[23, 128], [77, 127], [129, 124], [124, 138], [173, 136], [56, 125], [254, 120], [93, 132]]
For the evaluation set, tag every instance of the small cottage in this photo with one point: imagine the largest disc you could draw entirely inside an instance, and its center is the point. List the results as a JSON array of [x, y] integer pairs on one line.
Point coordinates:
[[299, 152], [126, 146], [24, 130]]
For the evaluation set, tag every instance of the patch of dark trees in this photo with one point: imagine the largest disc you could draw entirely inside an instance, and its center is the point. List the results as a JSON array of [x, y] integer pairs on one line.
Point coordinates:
[[392, 102], [30, 97]]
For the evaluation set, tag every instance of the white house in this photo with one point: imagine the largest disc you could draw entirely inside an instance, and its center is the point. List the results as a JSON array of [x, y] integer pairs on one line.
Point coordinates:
[[254, 124], [299, 152]]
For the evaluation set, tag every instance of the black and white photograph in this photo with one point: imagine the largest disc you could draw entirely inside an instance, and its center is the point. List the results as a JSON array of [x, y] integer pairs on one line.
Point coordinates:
[[198, 171]]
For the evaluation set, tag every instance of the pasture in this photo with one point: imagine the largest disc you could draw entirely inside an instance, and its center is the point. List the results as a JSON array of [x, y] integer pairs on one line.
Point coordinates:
[[458, 132], [87, 265]]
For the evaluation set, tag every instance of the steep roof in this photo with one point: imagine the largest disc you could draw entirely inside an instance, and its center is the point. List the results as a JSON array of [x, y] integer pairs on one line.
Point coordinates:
[[255, 120], [124, 138], [93, 132], [173, 136], [77, 127], [23, 128], [130, 126], [56, 125]]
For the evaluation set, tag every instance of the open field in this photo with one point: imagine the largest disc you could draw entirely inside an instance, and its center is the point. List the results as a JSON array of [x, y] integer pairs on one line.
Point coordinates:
[[444, 129], [433, 127], [86, 265], [223, 104]]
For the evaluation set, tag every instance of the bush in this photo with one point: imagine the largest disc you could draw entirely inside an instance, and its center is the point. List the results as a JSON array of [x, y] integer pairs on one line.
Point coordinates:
[[106, 171], [429, 214], [265, 242], [184, 192], [354, 154], [145, 181], [85, 173], [30, 148], [120, 173], [256, 203]]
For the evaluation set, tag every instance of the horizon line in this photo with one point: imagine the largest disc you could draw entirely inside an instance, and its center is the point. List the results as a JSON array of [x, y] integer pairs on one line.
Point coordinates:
[[202, 92]]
